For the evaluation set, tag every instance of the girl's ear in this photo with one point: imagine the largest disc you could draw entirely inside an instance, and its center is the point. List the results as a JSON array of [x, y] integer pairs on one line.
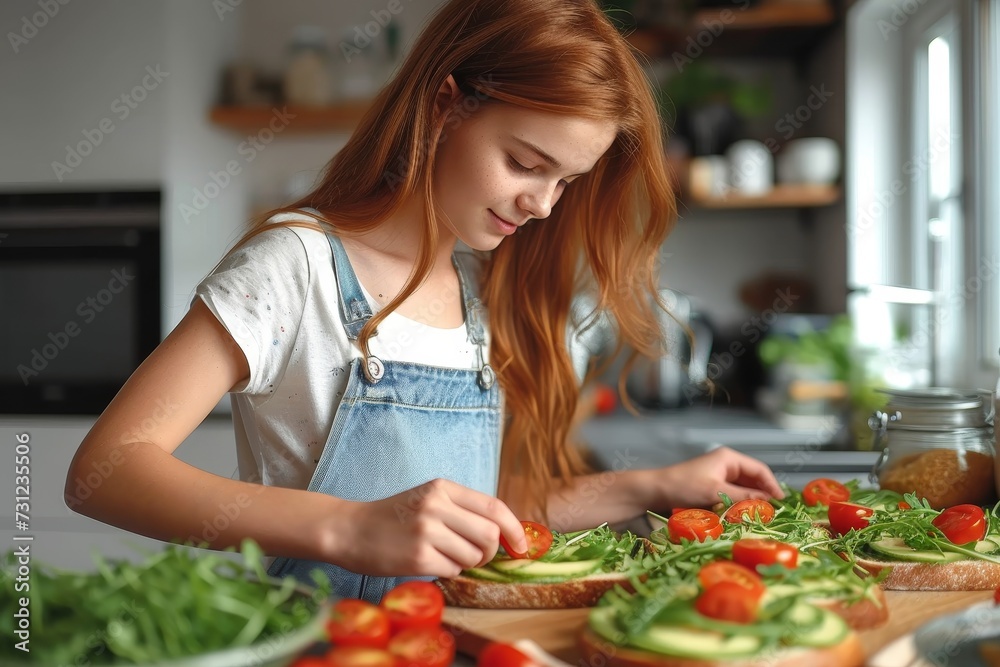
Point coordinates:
[[447, 95]]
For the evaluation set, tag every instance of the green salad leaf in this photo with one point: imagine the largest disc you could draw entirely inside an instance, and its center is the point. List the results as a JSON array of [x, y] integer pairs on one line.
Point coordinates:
[[176, 603]]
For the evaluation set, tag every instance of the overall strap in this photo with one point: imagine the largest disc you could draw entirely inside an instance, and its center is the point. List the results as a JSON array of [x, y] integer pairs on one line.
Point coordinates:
[[354, 308], [475, 313]]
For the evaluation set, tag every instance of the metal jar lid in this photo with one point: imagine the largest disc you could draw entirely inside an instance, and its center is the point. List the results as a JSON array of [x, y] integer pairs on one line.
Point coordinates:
[[934, 409]]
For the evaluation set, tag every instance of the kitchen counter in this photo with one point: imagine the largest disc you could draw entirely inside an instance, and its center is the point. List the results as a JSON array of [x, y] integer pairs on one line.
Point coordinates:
[[654, 439], [556, 631]]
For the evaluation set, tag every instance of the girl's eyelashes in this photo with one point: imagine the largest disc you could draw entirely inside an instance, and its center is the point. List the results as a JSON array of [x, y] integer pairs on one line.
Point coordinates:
[[517, 166]]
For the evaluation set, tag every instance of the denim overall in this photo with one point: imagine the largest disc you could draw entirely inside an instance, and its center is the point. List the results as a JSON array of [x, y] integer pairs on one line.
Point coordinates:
[[410, 424]]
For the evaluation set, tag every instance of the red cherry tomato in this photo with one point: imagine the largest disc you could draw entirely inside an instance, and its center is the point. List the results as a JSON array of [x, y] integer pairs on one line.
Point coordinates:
[[845, 516], [605, 399], [414, 604], [694, 525], [423, 647], [720, 571], [903, 505], [751, 552], [539, 540], [824, 491], [360, 656], [497, 654], [962, 524], [754, 509], [358, 623], [727, 601]]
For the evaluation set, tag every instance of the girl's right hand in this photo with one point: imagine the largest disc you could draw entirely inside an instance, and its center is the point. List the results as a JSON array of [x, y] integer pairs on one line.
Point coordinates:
[[436, 529]]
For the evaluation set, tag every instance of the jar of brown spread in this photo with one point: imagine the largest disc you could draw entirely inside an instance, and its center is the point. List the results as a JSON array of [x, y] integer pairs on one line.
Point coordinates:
[[937, 443]]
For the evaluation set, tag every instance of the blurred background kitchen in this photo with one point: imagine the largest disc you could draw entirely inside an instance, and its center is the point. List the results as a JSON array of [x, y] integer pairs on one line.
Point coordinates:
[[837, 162]]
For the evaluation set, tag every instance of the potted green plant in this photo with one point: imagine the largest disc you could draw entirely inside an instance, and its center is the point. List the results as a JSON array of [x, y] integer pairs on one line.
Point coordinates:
[[707, 106]]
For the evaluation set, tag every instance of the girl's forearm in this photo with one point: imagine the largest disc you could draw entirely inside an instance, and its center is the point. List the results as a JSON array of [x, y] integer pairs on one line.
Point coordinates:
[[611, 496], [143, 489]]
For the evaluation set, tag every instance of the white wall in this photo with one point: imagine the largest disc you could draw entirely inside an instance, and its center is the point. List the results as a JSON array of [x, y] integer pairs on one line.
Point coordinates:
[[64, 81]]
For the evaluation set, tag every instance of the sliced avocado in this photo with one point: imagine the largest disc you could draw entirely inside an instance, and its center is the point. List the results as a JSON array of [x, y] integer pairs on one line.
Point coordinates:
[[685, 642], [829, 631], [894, 548], [534, 569], [486, 574]]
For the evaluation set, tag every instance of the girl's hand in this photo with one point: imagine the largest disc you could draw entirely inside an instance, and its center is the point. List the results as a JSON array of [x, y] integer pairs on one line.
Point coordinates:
[[436, 529], [698, 482]]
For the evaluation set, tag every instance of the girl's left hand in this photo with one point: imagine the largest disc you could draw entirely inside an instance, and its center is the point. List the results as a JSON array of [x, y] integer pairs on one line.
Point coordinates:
[[698, 482]]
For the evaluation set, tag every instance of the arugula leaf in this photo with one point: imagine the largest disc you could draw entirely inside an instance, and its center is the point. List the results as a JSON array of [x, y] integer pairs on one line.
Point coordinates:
[[174, 604]]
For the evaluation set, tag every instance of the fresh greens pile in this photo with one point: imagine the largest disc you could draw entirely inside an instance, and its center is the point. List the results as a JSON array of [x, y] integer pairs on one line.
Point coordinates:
[[176, 603]]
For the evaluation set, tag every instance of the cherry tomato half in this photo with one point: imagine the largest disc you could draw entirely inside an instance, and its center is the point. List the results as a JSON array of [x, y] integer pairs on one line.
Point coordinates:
[[727, 601], [962, 524], [845, 516], [751, 552], [694, 525], [414, 604], [824, 491], [539, 540], [423, 647], [358, 623], [498, 654], [360, 656], [754, 509], [720, 571]]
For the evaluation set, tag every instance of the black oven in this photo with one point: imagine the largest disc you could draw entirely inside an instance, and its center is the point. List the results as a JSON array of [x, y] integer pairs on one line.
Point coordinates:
[[79, 297]]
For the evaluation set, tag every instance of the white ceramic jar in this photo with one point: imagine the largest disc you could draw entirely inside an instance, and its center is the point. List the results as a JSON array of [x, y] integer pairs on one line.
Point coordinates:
[[751, 167]]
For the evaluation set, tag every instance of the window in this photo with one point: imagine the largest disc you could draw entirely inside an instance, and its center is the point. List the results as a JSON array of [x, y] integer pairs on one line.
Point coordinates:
[[922, 189]]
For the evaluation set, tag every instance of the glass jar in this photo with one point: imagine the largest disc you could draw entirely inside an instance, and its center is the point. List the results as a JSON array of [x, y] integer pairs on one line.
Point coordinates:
[[308, 79], [937, 443]]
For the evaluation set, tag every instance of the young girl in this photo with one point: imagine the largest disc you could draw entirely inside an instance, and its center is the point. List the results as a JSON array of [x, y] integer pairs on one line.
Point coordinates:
[[375, 372]]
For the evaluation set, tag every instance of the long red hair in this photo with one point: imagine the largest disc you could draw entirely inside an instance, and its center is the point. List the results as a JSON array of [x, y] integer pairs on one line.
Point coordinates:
[[603, 236]]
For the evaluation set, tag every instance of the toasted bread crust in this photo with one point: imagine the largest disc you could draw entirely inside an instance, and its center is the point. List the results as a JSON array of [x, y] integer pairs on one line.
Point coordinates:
[[847, 653], [862, 614], [480, 594], [963, 575]]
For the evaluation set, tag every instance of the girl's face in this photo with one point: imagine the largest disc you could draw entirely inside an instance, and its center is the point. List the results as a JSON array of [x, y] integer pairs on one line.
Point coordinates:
[[502, 166]]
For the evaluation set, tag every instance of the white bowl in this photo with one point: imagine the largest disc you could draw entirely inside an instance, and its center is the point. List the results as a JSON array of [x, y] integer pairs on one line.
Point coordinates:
[[812, 161]]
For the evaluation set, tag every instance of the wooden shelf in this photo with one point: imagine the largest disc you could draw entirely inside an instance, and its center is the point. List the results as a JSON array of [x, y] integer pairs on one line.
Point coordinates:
[[782, 196], [767, 29], [291, 119]]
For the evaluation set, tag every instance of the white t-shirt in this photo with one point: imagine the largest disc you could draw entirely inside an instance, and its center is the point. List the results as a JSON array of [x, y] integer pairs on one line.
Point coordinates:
[[277, 296]]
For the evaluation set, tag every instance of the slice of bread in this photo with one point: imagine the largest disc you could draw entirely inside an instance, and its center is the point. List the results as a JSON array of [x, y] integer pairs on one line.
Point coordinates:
[[597, 651], [962, 575], [860, 615], [465, 591]]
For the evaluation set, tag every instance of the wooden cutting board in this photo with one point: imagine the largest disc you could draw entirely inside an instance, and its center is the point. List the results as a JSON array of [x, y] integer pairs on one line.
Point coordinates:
[[556, 631]]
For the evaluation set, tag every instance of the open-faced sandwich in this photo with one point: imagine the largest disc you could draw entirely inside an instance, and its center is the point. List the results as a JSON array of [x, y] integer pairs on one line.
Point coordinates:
[[916, 547], [720, 615], [784, 547], [559, 571]]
